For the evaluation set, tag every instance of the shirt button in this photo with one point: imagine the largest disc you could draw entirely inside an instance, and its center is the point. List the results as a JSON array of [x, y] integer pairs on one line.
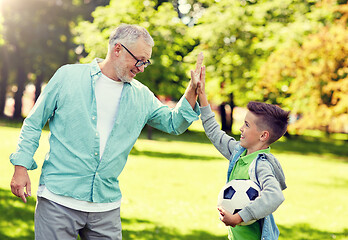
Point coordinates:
[[96, 134], [93, 117], [96, 153]]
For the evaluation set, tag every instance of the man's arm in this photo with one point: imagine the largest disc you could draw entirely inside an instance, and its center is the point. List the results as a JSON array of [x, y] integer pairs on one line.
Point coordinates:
[[177, 120], [29, 137]]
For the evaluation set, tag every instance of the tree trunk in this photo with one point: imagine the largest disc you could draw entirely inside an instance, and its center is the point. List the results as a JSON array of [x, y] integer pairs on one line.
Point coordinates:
[[21, 79], [3, 81], [222, 111], [149, 132], [227, 120], [231, 115], [38, 85]]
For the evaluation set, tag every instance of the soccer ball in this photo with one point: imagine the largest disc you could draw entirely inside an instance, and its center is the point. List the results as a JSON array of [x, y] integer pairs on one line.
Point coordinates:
[[237, 194]]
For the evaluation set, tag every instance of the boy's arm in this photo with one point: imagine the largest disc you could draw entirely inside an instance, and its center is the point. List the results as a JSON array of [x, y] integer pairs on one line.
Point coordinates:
[[223, 142], [229, 219], [203, 100], [271, 194]]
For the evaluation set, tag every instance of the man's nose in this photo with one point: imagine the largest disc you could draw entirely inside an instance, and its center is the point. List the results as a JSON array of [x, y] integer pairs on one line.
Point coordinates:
[[141, 68]]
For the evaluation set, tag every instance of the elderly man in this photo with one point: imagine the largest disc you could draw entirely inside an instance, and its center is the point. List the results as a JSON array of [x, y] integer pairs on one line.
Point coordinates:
[[96, 112]]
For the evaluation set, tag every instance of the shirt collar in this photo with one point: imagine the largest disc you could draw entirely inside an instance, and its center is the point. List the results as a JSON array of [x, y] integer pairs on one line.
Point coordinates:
[[250, 157], [95, 69]]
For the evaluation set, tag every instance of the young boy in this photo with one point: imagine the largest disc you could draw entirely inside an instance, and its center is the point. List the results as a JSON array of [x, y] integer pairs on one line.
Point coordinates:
[[250, 158]]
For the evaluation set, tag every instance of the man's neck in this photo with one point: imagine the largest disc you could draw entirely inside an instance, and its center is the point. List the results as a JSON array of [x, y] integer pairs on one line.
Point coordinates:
[[107, 69]]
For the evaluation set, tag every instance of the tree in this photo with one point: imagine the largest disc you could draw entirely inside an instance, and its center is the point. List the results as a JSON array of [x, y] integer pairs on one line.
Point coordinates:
[[3, 69], [37, 37], [238, 36], [166, 75], [311, 79]]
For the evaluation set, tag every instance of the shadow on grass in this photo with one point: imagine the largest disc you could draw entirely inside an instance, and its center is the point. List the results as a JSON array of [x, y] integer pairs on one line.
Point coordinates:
[[187, 136], [304, 231], [162, 155], [17, 222], [16, 217], [294, 144], [310, 145], [152, 231]]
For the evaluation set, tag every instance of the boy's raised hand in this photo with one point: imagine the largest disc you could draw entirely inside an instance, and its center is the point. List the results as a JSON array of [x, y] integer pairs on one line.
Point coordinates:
[[201, 88], [229, 219]]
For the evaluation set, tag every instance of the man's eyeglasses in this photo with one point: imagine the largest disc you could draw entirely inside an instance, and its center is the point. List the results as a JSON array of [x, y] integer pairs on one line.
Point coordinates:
[[139, 63]]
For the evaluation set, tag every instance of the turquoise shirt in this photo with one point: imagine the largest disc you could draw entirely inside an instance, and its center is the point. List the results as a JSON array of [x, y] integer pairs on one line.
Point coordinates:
[[72, 167], [241, 171]]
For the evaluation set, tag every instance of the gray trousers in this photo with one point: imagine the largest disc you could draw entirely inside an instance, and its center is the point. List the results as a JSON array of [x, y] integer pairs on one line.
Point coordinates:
[[56, 222]]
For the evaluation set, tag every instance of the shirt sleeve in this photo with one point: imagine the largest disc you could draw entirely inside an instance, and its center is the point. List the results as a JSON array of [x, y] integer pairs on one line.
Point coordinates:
[[220, 139], [174, 121], [32, 126], [271, 196]]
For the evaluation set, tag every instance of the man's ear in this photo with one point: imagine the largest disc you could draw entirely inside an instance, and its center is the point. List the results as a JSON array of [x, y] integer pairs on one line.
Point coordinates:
[[264, 136], [116, 49]]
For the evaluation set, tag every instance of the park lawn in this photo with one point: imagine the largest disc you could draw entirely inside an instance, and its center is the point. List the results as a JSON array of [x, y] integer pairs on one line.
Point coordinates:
[[170, 187]]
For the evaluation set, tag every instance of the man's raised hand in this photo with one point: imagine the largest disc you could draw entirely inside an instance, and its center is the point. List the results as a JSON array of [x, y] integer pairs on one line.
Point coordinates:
[[196, 74]]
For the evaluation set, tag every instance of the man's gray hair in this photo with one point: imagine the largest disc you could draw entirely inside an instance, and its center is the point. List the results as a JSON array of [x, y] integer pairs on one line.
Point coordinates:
[[129, 34]]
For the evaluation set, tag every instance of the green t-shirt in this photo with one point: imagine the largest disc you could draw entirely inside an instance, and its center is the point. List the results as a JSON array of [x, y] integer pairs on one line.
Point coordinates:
[[241, 171]]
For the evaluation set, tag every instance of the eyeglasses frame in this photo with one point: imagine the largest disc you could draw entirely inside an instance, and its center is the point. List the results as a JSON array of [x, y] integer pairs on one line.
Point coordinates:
[[139, 63]]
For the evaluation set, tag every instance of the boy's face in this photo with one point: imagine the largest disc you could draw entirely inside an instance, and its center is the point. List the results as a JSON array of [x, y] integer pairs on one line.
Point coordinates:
[[250, 134]]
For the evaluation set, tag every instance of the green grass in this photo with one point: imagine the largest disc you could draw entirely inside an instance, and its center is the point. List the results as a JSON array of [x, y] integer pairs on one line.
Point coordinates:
[[170, 186]]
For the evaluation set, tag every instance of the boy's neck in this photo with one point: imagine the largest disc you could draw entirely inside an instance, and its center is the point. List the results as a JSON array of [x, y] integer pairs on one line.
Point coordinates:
[[256, 148]]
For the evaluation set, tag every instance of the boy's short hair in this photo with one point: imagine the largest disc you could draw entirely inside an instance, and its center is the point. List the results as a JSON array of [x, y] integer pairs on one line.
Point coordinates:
[[271, 118]]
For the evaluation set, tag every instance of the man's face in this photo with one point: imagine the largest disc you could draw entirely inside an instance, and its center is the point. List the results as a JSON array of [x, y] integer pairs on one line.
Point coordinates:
[[125, 67], [250, 134]]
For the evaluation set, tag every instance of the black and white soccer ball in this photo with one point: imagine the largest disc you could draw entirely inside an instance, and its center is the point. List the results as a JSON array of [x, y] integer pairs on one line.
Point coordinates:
[[237, 194]]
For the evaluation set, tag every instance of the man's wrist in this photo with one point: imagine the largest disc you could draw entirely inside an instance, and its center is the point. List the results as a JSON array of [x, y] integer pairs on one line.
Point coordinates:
[[20, 168], [191, 91]]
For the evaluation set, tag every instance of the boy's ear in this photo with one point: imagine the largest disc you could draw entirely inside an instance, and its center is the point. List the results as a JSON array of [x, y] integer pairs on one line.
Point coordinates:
[[264, 136]]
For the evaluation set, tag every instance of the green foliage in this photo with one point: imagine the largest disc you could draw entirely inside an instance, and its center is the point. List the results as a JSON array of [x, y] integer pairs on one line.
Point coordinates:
[[312, 79], [41, 35], [1, 30], [38, 40], [166, 75], [238, 36]]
